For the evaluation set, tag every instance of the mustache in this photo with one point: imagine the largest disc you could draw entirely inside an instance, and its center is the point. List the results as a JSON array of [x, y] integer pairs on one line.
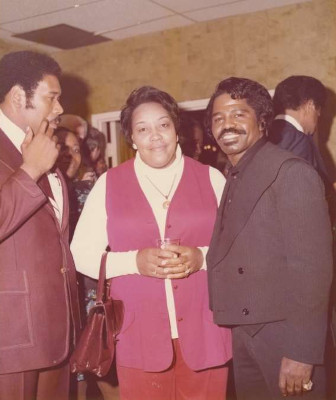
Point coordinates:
[[231, 130]]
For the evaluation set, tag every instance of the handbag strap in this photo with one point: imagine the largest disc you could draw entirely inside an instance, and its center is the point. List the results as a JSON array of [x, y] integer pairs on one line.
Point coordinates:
[[101, 280]]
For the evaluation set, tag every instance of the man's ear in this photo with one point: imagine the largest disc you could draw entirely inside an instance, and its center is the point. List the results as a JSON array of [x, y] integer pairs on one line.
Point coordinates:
[[17, 97], [262, 126], [308, 106]]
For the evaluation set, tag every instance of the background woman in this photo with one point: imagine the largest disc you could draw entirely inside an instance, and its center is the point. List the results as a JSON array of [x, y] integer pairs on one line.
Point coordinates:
[[80, 177], [169, 347]]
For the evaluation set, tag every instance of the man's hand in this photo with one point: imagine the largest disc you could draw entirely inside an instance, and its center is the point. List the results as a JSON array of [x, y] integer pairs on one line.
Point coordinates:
[[293, 375], [39, 151]]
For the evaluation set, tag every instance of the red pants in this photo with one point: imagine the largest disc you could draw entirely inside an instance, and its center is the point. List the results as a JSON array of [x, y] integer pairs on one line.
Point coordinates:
[[48, 384], [178, 382]]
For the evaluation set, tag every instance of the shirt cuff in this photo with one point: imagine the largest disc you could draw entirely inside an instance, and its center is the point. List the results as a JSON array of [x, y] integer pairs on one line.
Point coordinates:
[[204, 251]]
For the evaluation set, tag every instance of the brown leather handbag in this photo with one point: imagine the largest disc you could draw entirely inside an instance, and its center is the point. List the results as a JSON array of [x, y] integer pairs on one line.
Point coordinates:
[[96, 346]]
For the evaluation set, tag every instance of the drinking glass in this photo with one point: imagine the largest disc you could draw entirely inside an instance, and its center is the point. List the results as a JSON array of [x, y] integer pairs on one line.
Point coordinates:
[[163, 242]]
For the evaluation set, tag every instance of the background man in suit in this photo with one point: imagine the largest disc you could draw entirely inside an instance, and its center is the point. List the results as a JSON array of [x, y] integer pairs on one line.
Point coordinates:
[[269, 261], [298, 102], [38, 306]]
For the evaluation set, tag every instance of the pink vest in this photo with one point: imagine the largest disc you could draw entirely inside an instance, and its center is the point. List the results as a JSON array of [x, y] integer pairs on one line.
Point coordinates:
[[145, 339]]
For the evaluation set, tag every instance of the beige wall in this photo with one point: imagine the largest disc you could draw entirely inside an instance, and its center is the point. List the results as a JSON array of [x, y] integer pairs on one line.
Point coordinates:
[[8, 47], [188, 62]]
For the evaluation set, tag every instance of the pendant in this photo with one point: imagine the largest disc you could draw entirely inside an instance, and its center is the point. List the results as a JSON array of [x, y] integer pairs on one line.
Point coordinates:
[[166, 204]]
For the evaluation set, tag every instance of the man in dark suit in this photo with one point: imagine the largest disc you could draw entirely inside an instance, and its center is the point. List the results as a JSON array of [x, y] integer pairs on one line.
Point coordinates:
[[298, 101], [269, 261], [38, 290]]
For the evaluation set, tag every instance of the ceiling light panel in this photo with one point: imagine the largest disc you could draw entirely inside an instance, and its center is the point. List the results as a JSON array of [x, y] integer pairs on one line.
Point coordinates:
[[106, 15], [238, 7], [153, 26], [16, 10], [189, 5]]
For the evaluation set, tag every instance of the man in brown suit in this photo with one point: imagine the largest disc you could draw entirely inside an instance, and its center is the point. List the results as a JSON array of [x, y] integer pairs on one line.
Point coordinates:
[[269, 261], [38, 294]]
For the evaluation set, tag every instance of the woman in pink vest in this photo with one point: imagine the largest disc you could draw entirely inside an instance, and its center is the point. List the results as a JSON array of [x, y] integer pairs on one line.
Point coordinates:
[[169, 347]]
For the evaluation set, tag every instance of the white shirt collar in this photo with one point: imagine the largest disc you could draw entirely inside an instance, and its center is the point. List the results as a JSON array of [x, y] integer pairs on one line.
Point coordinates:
[[145, 169], [12, 131], [291, 120]]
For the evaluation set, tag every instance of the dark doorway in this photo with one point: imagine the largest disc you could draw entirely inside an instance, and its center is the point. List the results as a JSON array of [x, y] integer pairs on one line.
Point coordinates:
[[197, 143]]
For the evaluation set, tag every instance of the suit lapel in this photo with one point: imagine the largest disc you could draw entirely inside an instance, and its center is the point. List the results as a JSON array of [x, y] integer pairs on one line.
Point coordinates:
[[258, 176], [61, 226], [13, 158], [65, 213]]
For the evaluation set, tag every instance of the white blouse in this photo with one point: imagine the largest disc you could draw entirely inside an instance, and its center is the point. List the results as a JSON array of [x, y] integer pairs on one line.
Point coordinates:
[[90, 238]]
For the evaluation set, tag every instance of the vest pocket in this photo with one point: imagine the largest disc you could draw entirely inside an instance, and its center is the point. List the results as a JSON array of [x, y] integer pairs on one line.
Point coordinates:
[[15, 313]]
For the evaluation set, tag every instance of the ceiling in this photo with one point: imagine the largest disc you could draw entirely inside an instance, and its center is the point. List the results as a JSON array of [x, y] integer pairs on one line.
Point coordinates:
[[117, 19]]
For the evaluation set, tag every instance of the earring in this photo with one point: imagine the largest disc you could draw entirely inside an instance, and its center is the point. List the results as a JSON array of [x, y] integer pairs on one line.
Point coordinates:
[[134, 146]]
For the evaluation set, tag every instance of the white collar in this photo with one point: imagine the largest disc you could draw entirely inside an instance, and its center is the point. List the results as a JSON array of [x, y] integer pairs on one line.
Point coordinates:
[[145, 169], [12, 131], [291, 120]]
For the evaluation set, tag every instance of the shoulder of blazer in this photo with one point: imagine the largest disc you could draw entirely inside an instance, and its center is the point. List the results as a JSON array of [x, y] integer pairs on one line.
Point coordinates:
[[8, 152], [264, 166], [261, 172], [281, 127]]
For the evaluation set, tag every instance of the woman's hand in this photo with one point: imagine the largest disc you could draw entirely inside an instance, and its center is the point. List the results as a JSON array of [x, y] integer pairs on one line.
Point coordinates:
[[89, 176], [151, 261], [190, 260], [173, 262]]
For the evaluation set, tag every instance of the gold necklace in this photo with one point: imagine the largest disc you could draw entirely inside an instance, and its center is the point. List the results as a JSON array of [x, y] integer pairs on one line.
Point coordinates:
[[166, 203]]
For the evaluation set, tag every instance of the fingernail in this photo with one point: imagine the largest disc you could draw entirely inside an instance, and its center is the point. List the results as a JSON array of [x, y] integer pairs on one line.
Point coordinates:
[[166, 270], [163, 262], [175, 256]]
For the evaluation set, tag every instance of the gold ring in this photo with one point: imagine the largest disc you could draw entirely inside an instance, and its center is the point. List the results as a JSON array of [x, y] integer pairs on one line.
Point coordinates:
[[307, 386]]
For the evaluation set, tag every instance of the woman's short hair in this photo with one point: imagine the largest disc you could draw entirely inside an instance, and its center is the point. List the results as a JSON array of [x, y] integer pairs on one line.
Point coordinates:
[[253, 92], [147, 94]]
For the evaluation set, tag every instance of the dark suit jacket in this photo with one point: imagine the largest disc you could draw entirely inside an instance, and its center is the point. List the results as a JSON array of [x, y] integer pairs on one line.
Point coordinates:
[[38, 288], [270, 258], [285, 135]]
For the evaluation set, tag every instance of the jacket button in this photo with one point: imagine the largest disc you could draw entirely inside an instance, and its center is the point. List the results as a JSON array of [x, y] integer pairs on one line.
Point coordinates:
[[63, 270], [175, 287], [241, 270], [168, 226], [245, 311], [180, 319]]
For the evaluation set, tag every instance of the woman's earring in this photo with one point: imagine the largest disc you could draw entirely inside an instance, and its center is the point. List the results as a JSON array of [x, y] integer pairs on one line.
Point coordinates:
[[134, 146]]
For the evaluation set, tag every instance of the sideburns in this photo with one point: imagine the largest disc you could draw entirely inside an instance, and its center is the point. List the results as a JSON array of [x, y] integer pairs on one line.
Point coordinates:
[[29, 103]]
